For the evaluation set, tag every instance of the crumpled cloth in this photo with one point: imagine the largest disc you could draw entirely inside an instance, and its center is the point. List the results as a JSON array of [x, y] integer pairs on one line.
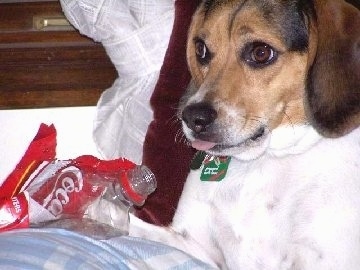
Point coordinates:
[[135, 35]]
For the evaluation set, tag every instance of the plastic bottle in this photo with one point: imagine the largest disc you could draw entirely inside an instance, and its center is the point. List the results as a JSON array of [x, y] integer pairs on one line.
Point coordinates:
[[96, 204]]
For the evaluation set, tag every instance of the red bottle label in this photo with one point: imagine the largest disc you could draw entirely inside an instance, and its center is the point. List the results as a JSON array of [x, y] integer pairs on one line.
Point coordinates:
[[66, 192], [14, 213]]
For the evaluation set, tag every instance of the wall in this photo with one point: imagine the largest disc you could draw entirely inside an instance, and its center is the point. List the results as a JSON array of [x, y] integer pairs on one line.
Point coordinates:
[[18, 127]]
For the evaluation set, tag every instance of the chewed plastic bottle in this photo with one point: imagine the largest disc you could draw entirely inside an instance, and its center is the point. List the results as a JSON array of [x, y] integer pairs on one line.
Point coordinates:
[[95, 204]]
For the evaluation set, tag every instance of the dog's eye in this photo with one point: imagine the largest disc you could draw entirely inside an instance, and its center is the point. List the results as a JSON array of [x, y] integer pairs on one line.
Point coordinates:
[[262, 53], [259, 54], [200, 49], [202, 52]]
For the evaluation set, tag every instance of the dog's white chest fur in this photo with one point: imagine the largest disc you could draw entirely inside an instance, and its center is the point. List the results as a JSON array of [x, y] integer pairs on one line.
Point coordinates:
[[297, 208]]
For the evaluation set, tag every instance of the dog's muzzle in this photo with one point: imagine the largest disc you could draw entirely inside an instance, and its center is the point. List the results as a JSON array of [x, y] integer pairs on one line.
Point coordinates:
[[206, 133]]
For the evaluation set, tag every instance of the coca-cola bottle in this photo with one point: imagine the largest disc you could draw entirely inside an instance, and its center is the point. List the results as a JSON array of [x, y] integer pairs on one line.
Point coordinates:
[[96, 204]]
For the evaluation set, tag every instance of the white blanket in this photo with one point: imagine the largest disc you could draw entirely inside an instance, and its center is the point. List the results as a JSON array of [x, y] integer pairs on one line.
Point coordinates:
[[135, 34]]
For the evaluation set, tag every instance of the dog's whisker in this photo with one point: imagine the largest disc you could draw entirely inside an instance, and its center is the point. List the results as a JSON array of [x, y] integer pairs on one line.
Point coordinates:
[[289, 119], [257, 119], [181, 138], [178, 136], [173, 121]]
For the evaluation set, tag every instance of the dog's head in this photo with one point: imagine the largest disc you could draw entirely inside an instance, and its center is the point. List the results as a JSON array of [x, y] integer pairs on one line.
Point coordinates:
[[254, 63]]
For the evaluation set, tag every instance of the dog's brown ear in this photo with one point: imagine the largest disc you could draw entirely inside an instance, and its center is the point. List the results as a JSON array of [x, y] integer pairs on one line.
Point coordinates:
[[333, 83]]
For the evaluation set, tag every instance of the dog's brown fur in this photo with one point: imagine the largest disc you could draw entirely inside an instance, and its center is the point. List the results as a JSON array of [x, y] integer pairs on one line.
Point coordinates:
[[319, 61], [333, 88]]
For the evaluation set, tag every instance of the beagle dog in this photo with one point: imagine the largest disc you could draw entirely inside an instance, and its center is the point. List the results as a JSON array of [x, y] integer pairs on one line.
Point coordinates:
[[274, 110]]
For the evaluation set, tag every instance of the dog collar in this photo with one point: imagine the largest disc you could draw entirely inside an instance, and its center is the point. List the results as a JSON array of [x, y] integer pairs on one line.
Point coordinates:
[[213, 168]]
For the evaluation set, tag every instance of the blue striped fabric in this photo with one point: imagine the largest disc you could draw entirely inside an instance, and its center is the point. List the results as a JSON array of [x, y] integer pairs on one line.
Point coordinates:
[[57, 249]]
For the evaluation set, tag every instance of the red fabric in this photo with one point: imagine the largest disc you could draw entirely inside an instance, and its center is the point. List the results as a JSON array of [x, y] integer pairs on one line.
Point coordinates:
[[169, 160]]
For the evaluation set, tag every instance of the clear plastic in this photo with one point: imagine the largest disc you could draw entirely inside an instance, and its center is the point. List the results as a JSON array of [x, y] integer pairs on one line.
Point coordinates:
[[103, 210]]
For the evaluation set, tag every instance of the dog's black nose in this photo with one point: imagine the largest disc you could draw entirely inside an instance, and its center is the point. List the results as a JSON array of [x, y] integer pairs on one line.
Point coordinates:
[[199, 116]]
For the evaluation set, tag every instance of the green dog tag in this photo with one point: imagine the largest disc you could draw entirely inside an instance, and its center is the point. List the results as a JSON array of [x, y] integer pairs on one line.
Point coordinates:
[[214, 168]]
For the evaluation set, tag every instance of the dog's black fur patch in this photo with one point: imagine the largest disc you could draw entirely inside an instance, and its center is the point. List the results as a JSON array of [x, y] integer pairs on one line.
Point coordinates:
[[210, 5], [289, 17], [296, 31], [355, 3]]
